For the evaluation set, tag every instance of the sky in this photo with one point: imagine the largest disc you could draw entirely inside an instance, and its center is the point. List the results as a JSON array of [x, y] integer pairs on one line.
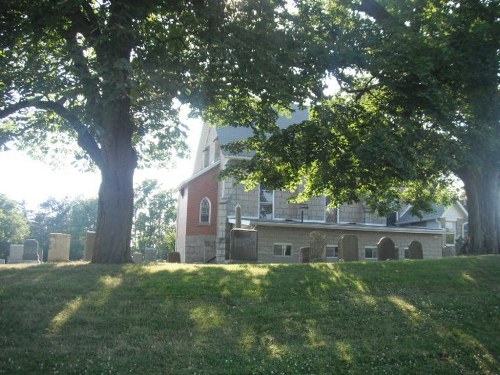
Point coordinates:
[[26, 180]]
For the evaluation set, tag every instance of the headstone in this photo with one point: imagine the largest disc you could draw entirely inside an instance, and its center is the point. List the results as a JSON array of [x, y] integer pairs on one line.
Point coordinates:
[[59, 247], [305, 255], [415, 250], [150, 254], [348, 248], [89, 245], [237, 221], [386, 249], [31, 251], [137, 257], [318, 246], [16, 253], [174, 257], [243, 245]]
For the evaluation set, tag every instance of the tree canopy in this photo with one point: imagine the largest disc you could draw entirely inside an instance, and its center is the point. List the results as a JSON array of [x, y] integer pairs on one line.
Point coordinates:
[[418, 103], [110, 75]]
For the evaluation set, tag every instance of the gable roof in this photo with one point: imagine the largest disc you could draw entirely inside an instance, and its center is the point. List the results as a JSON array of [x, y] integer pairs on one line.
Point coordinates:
[[438, 212], [409, 218], [229, 134]]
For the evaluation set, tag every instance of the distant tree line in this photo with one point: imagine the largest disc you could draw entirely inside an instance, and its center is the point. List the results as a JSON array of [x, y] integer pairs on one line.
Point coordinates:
[[154, 220]]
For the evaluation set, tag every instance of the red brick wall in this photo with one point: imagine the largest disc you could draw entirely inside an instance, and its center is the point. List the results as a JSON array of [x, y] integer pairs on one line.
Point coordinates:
[[203, 186]]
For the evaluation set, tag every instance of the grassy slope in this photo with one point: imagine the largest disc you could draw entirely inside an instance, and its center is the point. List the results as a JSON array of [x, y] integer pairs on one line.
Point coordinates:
[[412, 317]]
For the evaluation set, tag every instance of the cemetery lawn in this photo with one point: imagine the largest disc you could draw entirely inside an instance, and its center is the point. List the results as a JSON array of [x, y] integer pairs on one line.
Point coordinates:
[[401, 317]]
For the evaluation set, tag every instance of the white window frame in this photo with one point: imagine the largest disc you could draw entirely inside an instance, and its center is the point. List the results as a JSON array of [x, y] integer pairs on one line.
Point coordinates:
[[284, 247], [374, 250], [202, 206], [335, 251], [266, 203], [450, 231], [463, 230], [206, 157]]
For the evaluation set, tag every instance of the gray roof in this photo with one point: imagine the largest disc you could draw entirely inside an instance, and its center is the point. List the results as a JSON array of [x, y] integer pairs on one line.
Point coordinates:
[[230, 134], [408, 218]]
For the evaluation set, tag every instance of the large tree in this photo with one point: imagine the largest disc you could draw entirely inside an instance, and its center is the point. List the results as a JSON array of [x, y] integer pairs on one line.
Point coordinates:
[[109, 74], [418, 102]]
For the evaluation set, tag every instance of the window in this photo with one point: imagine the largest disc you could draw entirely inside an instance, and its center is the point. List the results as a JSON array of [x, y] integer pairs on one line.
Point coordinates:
[[205, 211], [282, 249], [371, 252], [332, 251], [206, 157], [451, 230], [465, 230], [217, 151], [407, 253], [266, 198]]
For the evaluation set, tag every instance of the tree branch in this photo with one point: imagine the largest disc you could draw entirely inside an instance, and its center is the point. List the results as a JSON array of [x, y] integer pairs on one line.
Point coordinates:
[[85, 140], [375, 10]]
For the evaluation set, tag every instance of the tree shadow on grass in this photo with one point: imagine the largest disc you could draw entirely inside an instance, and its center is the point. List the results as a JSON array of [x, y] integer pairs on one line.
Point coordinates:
[[242, 319]]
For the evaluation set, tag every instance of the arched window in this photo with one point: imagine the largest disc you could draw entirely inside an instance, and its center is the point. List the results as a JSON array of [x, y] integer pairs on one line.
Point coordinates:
[[205, 211]]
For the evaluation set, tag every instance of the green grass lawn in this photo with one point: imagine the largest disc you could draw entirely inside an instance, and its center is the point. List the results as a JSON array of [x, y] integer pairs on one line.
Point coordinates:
[[404, 317]]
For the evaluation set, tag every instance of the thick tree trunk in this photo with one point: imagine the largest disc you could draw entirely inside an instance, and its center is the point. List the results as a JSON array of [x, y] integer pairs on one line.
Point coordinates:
[[116, 197], [483, 205]]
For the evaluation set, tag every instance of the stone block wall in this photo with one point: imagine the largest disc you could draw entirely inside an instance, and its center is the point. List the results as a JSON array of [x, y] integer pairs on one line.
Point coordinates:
[[199, 249], [298, 237]]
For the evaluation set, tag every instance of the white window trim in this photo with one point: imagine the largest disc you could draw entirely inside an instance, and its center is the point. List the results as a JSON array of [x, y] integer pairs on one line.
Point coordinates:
[[283, 247], [463, 229], [334, 246], [449, 231], [370, 247], [259, 203], [206, 157], [209, 212]]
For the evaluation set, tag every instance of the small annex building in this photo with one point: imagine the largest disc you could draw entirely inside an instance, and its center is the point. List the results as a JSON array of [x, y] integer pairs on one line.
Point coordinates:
[[207, 205]]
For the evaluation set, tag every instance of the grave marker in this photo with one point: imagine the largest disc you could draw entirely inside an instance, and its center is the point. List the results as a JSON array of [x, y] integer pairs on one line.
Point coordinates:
[[318, 246], [89, 245], [386, 249], [415, 250], [16, 254], [348, 248], [243, 245], [59, 244], [31, 251]]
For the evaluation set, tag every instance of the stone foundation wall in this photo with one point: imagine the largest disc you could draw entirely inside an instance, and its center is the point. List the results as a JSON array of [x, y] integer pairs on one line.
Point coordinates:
[[432, 243], [199, 249]]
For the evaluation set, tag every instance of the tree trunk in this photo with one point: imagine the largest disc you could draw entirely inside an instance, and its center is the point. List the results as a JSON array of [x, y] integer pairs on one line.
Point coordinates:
[[116, 199], [483, 205]]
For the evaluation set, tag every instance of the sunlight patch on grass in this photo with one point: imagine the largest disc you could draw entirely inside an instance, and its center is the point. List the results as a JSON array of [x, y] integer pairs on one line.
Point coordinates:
[[344, 351], [65, 314], [407, 308], [274, 349], [108, 284], [483, 358], [368, 300], [247, 340], [315, 338], [207, 317], [468, 278]]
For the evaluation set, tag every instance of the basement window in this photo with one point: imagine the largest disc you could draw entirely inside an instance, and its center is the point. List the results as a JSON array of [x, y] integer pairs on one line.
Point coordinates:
[[282, 249], [371, 253]]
